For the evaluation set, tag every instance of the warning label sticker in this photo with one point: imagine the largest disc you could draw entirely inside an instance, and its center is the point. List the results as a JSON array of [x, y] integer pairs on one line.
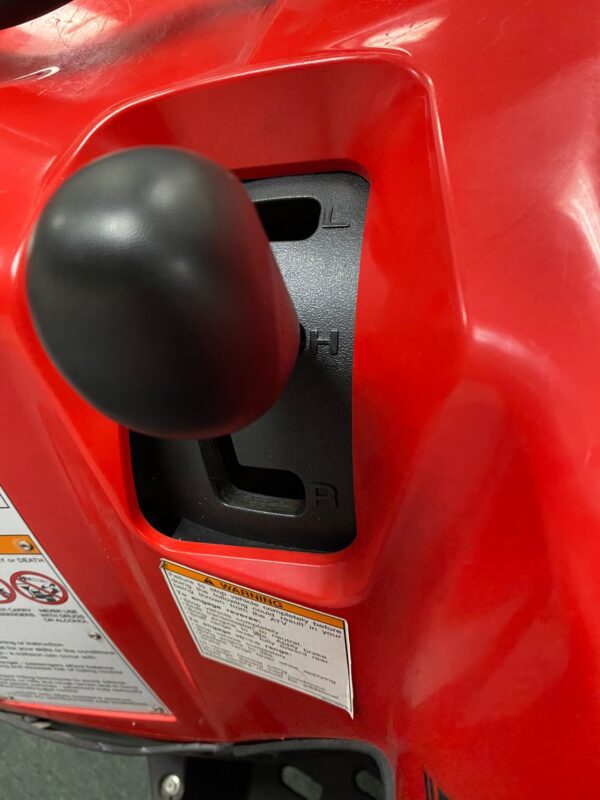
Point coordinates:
[[51, 650], [283, 642]]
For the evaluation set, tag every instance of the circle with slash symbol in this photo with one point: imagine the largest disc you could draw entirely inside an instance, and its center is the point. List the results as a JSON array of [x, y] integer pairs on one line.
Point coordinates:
[[39, 588], [7, 593]]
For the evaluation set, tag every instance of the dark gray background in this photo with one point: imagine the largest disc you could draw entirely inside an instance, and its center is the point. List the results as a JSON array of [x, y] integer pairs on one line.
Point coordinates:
[[34, 769]]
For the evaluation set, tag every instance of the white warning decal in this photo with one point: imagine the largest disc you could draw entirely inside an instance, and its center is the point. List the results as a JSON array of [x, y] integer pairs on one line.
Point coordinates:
[[51, 650], [281, 641]]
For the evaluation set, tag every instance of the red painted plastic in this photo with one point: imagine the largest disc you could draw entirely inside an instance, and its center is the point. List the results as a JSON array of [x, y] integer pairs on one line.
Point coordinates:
[[472, 590]]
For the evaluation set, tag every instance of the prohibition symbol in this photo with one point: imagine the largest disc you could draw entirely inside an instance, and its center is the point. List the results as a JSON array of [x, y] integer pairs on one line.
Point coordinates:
[[39, 588], [7, 593]]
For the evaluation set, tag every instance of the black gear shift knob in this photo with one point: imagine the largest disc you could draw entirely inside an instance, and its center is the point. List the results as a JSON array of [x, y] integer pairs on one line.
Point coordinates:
[[154, 291]]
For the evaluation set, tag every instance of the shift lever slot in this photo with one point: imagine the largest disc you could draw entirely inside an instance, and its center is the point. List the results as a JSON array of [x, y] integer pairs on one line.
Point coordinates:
[[276, 491], [286, 479], [289, 219]]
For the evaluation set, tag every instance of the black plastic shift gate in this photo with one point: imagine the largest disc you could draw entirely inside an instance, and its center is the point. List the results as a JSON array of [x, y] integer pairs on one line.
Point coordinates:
[[284, 481]]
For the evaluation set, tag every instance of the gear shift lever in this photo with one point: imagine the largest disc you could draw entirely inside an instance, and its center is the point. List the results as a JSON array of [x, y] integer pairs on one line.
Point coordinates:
[[155, 293]]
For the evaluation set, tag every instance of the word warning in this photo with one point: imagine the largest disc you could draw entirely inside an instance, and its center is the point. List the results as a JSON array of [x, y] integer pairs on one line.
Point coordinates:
[[283, 642], [51, 650]]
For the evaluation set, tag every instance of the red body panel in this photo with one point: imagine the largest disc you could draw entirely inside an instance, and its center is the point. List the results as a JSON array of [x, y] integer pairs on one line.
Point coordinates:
[[472, 590]]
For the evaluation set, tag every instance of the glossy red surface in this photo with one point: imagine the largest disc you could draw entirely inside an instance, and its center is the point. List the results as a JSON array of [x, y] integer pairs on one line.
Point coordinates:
[[472, 589]]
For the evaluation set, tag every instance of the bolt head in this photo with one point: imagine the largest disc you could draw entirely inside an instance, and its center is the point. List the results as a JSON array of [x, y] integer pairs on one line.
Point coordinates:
[[171, 787], [24, 545]]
